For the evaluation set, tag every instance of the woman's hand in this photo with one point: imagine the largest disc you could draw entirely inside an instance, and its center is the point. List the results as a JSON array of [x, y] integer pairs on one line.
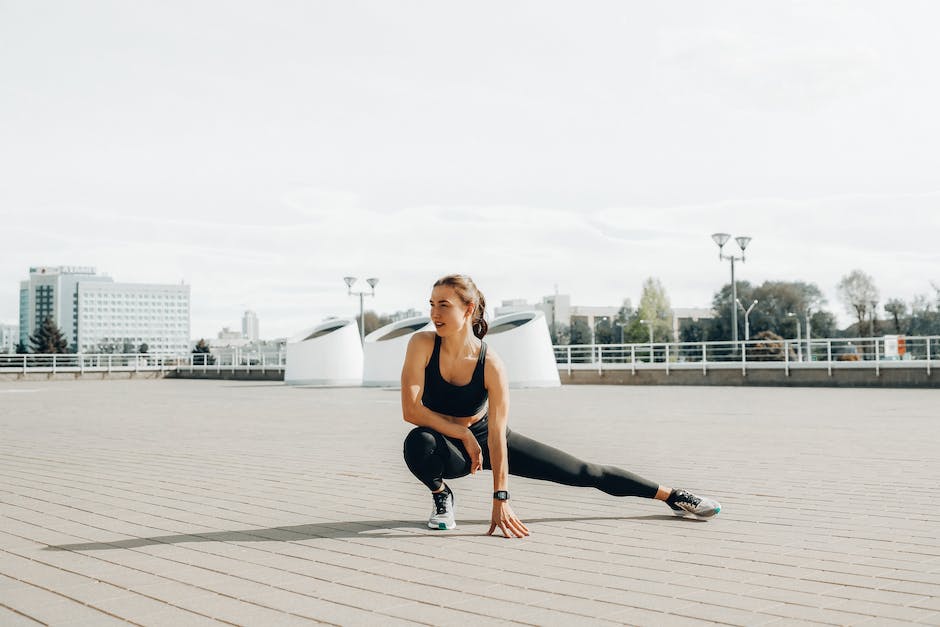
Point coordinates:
[[504, 518], [474, 451]]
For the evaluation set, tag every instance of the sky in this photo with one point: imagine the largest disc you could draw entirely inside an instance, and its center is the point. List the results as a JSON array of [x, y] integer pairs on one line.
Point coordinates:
[[260, 151]]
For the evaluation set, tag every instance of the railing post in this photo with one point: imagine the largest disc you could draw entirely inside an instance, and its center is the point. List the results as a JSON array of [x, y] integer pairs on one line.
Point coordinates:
[[877, 360], [633, 358], [53, 363], [829, 355], [928, 356], [569, 360], [600, 358], [109, 363], [667, 359], [262, 363], [704, 358], [928, 362], [786, 358], [743, 359]]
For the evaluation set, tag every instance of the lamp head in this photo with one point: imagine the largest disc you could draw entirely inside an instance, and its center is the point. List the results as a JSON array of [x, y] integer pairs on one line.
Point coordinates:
[[743, 242], [372, 282], [349, 281], [721, 238]]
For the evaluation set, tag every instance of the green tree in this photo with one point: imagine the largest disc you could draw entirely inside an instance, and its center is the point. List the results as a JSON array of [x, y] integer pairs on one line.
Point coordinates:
[[201, 354], [897, 309], [858, 293], [21, 348], [48, 338], [721, 304], [143, 349], [580, 332], [653, 307]]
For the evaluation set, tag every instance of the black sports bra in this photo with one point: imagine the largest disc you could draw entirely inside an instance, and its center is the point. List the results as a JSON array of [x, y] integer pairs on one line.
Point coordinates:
[[460, 401]]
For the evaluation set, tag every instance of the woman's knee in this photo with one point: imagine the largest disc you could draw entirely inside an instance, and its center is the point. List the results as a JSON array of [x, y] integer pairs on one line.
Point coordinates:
[[420, 442]]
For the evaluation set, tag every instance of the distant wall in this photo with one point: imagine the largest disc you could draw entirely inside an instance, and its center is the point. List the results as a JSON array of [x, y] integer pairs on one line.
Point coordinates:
[[841, 377]]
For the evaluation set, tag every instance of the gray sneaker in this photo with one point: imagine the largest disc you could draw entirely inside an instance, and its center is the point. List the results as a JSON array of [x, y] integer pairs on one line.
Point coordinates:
[[442, 516], [683, 503]]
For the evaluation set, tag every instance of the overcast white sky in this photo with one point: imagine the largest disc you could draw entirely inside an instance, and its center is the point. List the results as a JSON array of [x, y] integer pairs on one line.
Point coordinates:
[[260, 151]]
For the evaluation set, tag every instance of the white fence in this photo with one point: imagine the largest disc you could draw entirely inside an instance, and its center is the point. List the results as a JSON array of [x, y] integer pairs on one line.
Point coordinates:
[[132, 362], [874, 353]]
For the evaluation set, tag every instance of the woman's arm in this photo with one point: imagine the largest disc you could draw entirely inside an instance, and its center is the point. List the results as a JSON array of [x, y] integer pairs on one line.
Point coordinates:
[[412, 389], [497, 386]]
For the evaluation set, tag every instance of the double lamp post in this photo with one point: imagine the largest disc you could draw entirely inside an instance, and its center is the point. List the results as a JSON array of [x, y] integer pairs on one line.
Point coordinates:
[[721, 239], [349, 283]]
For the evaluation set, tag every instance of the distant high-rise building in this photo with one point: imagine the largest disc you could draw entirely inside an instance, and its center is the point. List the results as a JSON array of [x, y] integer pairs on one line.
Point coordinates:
[[51, 292], [95, 314], [250, 326]]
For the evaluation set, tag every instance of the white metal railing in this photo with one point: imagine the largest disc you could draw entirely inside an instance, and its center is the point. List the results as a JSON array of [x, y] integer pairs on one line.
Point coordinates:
[[133, 362], [823, 353]]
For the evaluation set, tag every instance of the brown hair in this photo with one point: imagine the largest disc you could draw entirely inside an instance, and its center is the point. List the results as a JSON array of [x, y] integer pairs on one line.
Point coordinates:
[[469, 293]]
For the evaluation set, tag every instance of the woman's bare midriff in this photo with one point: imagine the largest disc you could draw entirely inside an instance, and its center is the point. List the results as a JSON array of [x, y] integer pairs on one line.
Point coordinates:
[[469, 420]]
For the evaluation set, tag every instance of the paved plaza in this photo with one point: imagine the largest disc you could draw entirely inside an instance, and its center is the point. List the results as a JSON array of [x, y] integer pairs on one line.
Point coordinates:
[[169, 502]]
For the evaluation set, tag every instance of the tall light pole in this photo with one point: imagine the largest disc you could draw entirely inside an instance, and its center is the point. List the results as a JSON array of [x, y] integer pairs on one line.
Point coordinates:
[[362, 321], [747, 313], [721, 239], [799, 340]]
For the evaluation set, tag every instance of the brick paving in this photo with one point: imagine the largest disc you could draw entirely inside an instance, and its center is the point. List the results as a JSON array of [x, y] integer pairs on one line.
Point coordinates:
[[203, 502]]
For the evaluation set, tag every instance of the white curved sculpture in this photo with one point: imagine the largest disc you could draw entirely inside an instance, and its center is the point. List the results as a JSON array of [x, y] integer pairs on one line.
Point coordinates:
[[328, 354], [384, 350], [522, 340]]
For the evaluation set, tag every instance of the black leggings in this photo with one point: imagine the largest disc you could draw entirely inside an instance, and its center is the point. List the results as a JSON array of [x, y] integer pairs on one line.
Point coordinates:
[[432, 457]]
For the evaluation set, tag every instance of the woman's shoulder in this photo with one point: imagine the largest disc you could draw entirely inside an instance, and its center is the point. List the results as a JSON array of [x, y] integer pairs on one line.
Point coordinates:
[[493, 362], [422, 340]]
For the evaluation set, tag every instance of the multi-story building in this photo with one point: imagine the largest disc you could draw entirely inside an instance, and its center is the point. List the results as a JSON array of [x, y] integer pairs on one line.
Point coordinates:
[[250, 326], [118, 316], [9, 336], [50, 291], [95, 314]]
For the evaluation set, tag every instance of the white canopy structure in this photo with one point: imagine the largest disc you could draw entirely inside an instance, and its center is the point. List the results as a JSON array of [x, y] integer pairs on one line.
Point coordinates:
[[523, 342], [384, 350], [327, 354]]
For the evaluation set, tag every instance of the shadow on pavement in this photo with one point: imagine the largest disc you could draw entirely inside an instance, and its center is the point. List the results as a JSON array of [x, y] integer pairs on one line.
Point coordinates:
[[395, 529]]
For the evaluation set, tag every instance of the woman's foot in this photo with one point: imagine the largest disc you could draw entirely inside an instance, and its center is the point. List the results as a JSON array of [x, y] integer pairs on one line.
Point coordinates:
[[683, 503], [442, 516]]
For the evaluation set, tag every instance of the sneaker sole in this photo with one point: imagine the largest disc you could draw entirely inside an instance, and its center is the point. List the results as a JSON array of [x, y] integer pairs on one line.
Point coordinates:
[[681, 513], [441, 526]]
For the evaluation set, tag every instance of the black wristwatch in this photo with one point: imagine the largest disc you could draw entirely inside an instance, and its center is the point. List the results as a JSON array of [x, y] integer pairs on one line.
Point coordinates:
[[501, 495]]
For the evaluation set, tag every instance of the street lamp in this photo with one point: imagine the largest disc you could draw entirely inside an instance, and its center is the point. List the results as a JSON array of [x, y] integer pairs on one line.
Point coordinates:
[[362, 321], [799, 340], [721, 239], [747, 313]]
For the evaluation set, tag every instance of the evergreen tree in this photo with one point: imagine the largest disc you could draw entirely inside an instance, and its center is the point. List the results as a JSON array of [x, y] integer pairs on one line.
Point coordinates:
[[201, 355], [48, 338], [21, 348]]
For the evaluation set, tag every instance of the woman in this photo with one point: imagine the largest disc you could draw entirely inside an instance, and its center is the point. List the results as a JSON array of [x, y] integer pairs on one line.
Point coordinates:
[[456, 393]]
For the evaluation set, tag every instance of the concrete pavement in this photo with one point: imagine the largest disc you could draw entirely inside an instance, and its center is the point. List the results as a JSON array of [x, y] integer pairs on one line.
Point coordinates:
[[165, 502]]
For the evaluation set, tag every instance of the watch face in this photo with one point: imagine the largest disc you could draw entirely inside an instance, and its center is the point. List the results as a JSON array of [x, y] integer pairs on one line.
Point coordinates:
[[501, 495]]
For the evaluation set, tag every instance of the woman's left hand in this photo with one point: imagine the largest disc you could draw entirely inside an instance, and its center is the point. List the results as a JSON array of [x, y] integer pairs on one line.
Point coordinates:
[[504, 518]]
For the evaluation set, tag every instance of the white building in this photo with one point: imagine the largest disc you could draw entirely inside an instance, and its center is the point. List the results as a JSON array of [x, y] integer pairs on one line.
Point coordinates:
[[9, 336], [51, 291], [115, 316], [94, 313], [250, 326]]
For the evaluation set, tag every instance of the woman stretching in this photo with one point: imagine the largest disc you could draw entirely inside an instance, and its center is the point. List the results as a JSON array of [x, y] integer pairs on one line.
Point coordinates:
[[457, 394]]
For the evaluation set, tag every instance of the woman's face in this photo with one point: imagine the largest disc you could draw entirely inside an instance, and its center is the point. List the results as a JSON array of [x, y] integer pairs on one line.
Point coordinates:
[[448, 313]]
